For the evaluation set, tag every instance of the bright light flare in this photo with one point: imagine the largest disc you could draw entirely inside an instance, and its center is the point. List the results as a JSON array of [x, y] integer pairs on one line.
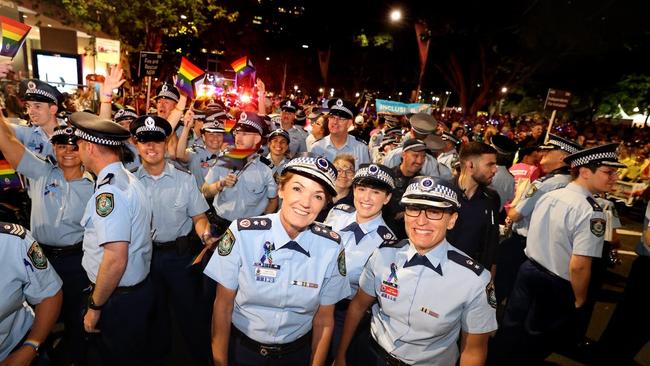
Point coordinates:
[[395, 15]]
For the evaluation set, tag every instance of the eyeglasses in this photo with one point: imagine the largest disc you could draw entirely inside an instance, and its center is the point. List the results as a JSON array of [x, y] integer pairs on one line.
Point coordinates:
[[430, 213], [336, 119], [346, 172], [609, 172]]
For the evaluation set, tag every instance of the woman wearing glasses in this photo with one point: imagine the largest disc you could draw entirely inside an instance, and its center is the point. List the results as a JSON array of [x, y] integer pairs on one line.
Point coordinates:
[[344, 164], [427, 292]]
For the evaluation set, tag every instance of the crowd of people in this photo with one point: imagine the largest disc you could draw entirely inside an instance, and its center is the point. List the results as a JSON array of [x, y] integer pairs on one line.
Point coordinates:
[[296, 232]]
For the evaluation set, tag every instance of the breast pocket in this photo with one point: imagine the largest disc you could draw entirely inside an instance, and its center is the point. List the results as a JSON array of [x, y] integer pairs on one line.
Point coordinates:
[[254, 188]]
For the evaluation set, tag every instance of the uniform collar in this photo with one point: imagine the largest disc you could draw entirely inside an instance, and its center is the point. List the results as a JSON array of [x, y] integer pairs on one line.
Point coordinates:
[[436, 256], [579, 189], [167, 170], [112, 168], [328, 141], [371, 225], [279, 234]]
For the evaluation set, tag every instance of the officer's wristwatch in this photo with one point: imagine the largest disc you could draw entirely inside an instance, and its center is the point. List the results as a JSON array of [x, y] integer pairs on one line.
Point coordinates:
[[92, 305]]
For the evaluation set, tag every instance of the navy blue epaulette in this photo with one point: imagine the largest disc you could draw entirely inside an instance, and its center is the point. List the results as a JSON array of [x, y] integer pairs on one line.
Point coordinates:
[[594, 205], [394, 244], [107, 180], [254, 223], [324, 231], [134, 169], [547, 176], [267, 161], [12, 229], [465, 261], [345, 207], [360, 140], [387, 236], [178, 166], [48, 159]]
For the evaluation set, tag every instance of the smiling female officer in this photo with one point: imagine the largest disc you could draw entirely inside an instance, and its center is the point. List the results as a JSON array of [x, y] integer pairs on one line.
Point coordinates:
[[279, 276], [427, 291]]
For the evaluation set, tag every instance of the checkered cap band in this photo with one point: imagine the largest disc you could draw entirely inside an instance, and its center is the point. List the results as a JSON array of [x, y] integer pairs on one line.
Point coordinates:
[[597, 157], [425, 191], [373, 172], [449, 137], [41, 92], [341, 107], [315, 165], [560, 144], [96, 140], [66, 132], [248, 122], [213, 126], [145, 128], [124, 114], [212, 116]]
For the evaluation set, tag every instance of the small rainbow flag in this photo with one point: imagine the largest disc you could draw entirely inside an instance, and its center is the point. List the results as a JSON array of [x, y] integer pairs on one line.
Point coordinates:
[[187, 74], [8, 177], [235, 159], [228, 138], [242, 65], [13, 36]]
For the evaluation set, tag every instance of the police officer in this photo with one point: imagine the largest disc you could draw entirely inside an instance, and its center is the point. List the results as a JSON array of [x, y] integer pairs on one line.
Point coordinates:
[[511, 251], [117, 246], [124, 117], [362, 229], [423, 125], [177, 206], [279, 142], [247, 191], [566, 230], [341, 113], [279, 276], [287, 120], [42, 102], [427, 291], [26, 277], [59, 194], [448, 153], [503, 181], [201, 155]]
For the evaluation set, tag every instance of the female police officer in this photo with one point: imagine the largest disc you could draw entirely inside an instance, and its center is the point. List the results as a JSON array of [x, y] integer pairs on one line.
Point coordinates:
[[279, 276], [362, 230], [426, 290]]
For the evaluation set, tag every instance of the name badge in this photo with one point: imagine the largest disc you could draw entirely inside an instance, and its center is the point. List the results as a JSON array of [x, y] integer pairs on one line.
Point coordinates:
[[388, 290], [304, 284], [266, 272]]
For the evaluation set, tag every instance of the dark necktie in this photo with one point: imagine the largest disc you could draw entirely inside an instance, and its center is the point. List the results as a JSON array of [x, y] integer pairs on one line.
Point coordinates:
[[295, 246], [356, 229], [423, 261]]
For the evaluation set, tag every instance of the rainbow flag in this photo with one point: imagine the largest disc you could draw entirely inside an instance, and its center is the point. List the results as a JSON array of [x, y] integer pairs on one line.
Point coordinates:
[[187, 74], [13, 36], [235, 159], [8, 177], [242, 65]]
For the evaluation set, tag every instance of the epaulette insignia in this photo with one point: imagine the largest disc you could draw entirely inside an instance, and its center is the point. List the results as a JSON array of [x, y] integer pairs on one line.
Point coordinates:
[[388, 237], [395, 244], [254, 223], [266, 161], [180, 167], [107, 180], [345, 207], [12, 229], [322, 230], [594, 205], [465, 261]]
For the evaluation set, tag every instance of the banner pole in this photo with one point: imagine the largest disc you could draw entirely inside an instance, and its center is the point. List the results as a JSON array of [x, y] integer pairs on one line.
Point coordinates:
[[148, 94]]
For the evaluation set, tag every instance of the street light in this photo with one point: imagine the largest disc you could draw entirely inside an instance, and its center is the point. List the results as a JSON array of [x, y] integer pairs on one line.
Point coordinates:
[[305, 46], [504, 90], [320, 90], [395, 15], [268, 58], [295, 87], [356, 95]]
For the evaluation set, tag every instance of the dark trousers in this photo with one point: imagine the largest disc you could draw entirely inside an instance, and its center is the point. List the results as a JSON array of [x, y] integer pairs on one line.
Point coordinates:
[[627, 330], [357, 353], [178, 305], [68, 266], [377, 356], [510, 256], [537, 318], [124, 327], [239, 354]]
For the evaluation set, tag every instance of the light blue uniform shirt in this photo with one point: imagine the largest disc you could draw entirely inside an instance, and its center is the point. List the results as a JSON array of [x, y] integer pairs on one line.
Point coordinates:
[[504, 183], [35, 139], [419, 312], [642, 248], [431, 166], [251, 193], [174, 199], [200, 161], [539, 187], [447, 159], [297, 143], [135, 164], [375, 233], [352, 146], [277, 168], [118, 211], [57, 204], [565, 221], [277, 297], [26, 276]]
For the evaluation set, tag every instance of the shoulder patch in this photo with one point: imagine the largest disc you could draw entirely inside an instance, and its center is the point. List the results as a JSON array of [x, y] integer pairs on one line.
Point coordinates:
[[594, 205], [322, 230], [345, 207], [341, 263], [254, 223], [104, 204], [12, 229], [597, 227], [532, 190], [267, 161], [394, 244], [226, 242], [388, 237], [36, 256], [180, 167], [107, 180], [465, 261]]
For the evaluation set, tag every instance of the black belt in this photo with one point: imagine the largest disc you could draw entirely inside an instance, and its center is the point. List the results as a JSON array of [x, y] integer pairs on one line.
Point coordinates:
[[544, 269], [169, 245], [54, 252], [271, 350], [124, 289], [390, 359]]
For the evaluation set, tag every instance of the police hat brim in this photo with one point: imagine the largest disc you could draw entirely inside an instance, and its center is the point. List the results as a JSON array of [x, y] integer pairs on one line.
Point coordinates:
[[426, 201], [308, 174], [340, 113], [64, 140], [372, 183], [246, 128], [150, 136]]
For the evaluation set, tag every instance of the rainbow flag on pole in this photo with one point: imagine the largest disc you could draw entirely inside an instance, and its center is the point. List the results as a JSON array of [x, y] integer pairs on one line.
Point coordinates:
[[8, 177], [242, 65], [13, 36], [187, 74]]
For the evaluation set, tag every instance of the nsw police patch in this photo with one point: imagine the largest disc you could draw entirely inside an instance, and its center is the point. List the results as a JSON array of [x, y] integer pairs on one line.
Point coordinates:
[[104, 204], [341, 263], [531, 191], [226, 243], [491, 295], [36, 256], [598, 227]]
